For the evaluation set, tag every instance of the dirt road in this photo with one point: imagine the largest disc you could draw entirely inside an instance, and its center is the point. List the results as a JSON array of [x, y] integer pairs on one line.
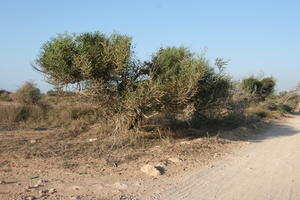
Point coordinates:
[[268, 168]]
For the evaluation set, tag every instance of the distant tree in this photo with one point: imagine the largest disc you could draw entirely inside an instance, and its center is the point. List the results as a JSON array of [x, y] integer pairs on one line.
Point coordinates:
[[259, 88], [252, 85], [267, 86]]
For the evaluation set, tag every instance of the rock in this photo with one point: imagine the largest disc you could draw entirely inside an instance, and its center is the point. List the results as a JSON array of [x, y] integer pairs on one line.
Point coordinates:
[[32, 141], [161, 165], [30, 198], [121, 186], [185, 143], [36, 186], [76, 198], [41, 181], [52, 191], [175, 160], [151, 170], [92, 139], [2, 182], [43, 193]]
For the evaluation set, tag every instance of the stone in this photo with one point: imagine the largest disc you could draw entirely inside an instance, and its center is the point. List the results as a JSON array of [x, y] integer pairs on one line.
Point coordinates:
[[32, 141], [121, 186], [41, 181], [52, 191], [43, 193], [175, 160], [92, 139], [151, 170], [30, 198], [36, 186]]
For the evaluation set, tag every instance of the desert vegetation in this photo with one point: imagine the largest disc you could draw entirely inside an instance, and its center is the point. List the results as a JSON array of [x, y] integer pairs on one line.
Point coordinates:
[[103, 89]]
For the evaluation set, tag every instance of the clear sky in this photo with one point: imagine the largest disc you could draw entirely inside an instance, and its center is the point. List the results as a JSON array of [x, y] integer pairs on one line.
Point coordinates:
[[258, 36]]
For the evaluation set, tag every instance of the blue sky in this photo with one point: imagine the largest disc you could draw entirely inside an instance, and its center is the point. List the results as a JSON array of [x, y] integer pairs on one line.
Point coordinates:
[[258, 36]]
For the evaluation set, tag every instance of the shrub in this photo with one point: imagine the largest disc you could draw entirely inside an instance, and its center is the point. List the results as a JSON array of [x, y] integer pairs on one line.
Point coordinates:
[[10, 114], [27, 94], [285, 108], [179, 82], [260, 89], [102, 64], [5, 95]]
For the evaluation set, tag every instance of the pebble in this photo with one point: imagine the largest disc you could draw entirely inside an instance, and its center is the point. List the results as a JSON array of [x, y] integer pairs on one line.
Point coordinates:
[[52, 191], [30, 198], [175, 160], [41, 181], [32, 141], [36, 186]]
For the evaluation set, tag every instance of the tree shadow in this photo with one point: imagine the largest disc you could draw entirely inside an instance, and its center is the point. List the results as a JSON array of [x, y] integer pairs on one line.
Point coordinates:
[[264, 131], [230, 129]]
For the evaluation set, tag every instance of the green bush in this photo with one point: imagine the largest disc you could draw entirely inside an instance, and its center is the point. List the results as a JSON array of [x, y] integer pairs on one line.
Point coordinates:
[[102, 64], [5, 95], [285, 108], [260, 89]]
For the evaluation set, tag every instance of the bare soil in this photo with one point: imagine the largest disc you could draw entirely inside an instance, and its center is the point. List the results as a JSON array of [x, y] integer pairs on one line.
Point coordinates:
[[34, 162]]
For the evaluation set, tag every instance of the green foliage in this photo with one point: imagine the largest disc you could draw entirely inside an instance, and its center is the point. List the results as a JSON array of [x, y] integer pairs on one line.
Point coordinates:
[[267, 86], [259, 88], [179, 82], [252, 85], [213, 90], [27, 94], [176, 73], [89, 60], [5, 96]]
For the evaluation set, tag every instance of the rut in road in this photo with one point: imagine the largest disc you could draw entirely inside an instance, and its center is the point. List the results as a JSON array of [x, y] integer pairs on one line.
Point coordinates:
[[267, 169]]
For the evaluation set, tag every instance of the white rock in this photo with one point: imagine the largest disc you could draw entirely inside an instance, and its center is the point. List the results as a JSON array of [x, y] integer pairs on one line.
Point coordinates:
[[185, 143], [52, 191], [150, 170], [92, 139], [175, 160], [120, 186], [32, 141], [36, 186]]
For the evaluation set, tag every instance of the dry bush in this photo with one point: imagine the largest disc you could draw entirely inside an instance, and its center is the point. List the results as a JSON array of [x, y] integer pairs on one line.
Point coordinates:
[[15, 113], [27, 94], [64, 113]]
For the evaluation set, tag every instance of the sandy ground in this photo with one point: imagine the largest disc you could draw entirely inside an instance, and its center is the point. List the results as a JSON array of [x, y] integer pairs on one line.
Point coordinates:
[[268, 168]]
